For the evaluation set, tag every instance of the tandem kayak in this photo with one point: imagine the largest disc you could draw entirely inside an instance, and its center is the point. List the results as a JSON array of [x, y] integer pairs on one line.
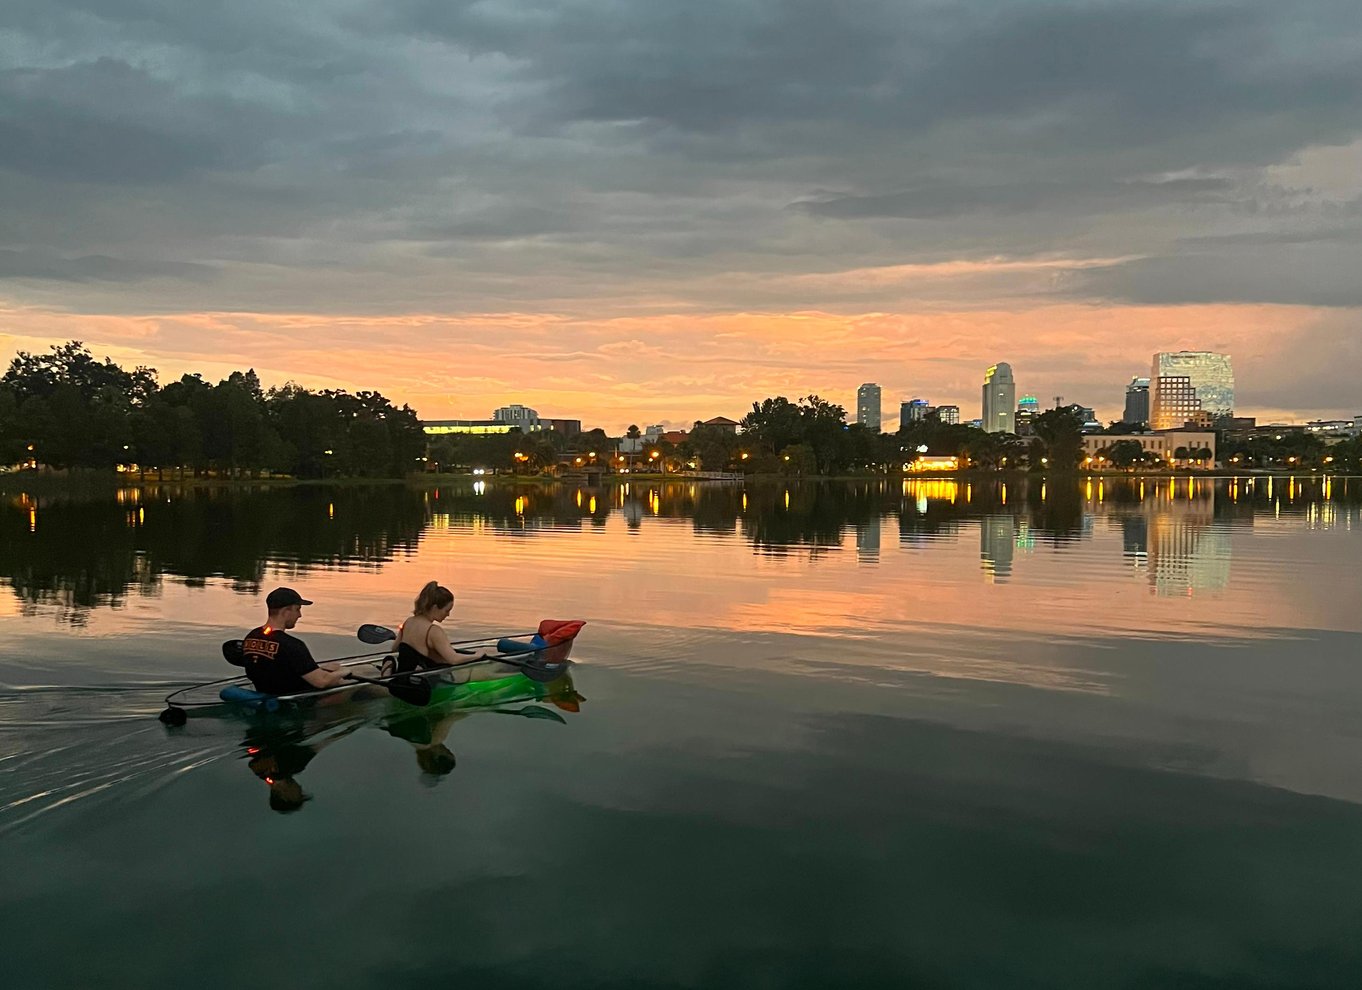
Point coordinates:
[[507, 666]]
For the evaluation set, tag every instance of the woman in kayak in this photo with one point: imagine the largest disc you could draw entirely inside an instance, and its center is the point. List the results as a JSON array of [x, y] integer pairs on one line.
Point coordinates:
[[422, 642]]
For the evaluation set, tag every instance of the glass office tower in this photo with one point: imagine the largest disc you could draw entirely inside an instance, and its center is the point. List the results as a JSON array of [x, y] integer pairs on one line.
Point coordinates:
[[1209, 374]]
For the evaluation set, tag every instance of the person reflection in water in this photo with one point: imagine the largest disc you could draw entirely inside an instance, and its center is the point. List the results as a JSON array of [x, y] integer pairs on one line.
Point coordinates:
[[426, 732], [277, 752]]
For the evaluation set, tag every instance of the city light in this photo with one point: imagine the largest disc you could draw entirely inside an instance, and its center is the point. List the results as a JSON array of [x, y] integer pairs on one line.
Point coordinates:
[[924, 463]]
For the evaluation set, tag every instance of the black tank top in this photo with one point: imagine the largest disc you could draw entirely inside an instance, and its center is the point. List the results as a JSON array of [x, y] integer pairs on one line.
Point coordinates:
[[409, 658]]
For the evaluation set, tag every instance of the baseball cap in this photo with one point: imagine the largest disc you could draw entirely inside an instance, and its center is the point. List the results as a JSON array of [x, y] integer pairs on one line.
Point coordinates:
[[283, 598]]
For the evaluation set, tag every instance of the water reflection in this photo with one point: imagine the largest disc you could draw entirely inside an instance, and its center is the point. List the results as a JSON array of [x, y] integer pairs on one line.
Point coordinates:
[[78, 554], [81, 553], [997, 539], [279, 746]]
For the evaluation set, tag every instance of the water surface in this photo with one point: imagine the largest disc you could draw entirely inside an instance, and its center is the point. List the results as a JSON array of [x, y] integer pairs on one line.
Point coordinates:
[[922, 734]]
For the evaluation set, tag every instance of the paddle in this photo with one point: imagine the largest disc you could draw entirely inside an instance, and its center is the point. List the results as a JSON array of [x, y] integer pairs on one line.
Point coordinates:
[[531, 711], [404, 687], [535, 670]]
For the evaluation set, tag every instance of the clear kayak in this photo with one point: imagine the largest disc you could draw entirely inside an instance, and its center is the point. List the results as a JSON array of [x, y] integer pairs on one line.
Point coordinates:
[[498, 666]]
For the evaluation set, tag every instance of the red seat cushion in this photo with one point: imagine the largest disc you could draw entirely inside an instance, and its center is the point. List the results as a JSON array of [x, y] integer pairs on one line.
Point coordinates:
[[560, 630]]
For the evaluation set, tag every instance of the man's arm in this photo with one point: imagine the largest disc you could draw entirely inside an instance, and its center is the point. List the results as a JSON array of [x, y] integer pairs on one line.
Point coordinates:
[[323, 678]]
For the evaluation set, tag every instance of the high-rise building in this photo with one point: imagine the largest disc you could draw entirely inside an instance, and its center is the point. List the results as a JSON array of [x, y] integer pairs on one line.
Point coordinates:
[[914, 410], [1208, 374], [868, 406], [1174, 404], [1137, 401], [948, 414], [1000, 400], [517, 415], [1028, 408]]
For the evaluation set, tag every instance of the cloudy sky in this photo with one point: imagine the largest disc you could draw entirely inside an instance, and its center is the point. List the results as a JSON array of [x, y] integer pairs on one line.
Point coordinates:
[[641, 211]]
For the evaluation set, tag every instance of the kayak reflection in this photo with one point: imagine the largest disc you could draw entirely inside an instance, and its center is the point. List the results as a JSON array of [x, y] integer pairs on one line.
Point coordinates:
[[279, 746]]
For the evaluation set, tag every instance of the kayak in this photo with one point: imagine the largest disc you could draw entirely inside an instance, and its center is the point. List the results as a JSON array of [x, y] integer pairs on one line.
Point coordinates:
[[539, 658]]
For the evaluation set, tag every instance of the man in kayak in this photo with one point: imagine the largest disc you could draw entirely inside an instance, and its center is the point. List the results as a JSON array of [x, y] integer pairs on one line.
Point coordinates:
[[278, 663]]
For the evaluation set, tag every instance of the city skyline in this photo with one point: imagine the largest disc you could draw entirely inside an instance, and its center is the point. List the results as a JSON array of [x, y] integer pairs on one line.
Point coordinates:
[[593, 209]]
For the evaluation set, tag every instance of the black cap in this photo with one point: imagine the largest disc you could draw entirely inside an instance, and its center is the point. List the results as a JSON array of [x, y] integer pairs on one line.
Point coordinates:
[[283, 598]]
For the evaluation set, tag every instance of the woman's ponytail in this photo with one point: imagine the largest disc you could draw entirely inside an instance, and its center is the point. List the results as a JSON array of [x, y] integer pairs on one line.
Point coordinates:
[[433, 595]]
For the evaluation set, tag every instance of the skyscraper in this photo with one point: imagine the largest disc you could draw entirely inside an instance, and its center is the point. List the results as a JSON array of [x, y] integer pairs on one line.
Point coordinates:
[[868, 406], [1028, 408], [1137, 401], [948, 414], [1208, 374], [914, 410], [1000, 400], [1177, 403]]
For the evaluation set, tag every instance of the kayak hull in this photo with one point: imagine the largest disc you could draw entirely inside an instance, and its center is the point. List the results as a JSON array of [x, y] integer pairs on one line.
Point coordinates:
[[518, 668]]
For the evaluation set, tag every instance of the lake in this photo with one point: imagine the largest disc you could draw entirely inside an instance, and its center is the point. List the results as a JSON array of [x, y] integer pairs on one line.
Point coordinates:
[[933, 733]]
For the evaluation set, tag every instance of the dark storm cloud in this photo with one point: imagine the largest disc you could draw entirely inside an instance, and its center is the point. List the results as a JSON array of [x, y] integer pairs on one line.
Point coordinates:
[[586, 141], [93, 268], [1053, 78], [947, 198], [1307, 274], [104, 121]]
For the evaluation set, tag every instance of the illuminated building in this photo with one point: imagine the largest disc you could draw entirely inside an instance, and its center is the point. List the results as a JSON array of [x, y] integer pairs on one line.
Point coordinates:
[[1163, 444], [1028, 408], [868, 406], [440, 427], [949, 415], [1183, 382], [1000, 400], [925, 463], [1174, 402], [517, 415], [914, 411]]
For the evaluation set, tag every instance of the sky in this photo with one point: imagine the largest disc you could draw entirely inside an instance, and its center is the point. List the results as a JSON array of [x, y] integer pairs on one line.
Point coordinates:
[[627, 211]]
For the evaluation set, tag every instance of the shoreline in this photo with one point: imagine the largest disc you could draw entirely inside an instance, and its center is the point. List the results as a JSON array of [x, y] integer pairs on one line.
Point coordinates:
[[99, 482]]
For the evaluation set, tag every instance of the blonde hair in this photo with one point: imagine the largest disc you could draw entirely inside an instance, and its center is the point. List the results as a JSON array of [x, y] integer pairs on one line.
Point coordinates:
[[433, 595]]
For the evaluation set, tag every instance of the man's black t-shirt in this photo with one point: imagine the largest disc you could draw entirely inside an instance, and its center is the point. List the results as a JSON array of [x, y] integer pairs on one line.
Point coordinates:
[[276, 661]]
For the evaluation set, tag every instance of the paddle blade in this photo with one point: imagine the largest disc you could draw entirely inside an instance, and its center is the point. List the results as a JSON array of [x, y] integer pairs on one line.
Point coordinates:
[[369, 633], [534, 711], [233, 652]]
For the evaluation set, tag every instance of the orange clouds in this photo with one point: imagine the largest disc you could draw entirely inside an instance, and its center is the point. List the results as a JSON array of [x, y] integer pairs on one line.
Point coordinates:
[[677, 367]]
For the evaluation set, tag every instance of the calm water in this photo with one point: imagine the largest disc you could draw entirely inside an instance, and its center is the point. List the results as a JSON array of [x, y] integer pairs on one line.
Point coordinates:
[[928, 735]]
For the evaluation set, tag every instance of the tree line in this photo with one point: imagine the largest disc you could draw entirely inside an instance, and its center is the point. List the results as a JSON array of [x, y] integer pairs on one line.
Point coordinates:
[[806, 437], [64, 409]]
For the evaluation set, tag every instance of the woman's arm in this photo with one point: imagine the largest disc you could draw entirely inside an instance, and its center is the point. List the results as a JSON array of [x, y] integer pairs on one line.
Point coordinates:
[[442, 652]]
